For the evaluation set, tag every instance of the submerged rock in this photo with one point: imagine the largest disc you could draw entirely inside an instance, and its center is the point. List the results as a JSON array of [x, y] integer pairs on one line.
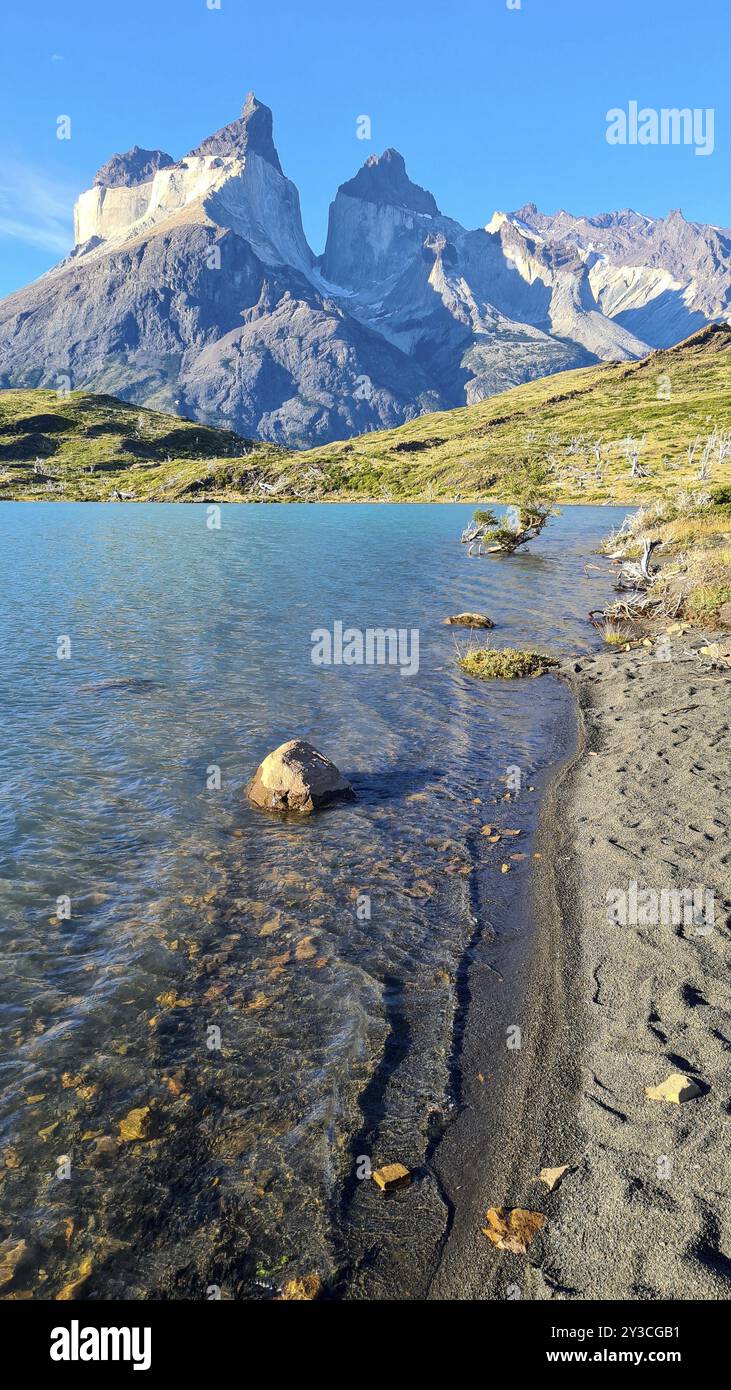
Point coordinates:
[[12, 1252], [135, 1125], [71, 1291], [300, 1290], [118, 683], [470, 620], [391, 1176], [295, 777]]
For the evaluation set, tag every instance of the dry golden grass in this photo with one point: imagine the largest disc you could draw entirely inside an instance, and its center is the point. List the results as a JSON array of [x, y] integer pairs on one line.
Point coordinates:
[[695, 551], [703, 530]]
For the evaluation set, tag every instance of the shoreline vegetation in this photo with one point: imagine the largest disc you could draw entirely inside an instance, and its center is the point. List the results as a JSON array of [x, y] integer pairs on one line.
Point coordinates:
[[487, 663]]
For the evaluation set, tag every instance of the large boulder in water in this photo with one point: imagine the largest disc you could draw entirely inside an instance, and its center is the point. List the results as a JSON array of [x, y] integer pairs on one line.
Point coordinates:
[[295, 777]]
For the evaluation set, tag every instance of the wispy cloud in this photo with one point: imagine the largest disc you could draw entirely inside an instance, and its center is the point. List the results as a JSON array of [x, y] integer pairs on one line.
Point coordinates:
[[36, 207]]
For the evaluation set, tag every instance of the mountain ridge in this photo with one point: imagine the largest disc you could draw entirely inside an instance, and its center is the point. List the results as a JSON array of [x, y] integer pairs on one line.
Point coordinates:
[[192, 288], [583, 424]]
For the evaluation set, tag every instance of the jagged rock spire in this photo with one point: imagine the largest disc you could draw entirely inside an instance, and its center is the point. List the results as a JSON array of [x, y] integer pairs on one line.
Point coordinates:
[[383, 179], [250, 134]]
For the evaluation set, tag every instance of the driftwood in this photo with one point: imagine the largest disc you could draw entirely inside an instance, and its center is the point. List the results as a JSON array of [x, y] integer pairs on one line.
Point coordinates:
[[633, 448], [270, 489], [636, 574], [638, 606]]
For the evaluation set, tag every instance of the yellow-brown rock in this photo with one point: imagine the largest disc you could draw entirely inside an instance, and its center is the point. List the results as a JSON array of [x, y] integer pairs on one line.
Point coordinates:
[[470, 620], [295, 777], [135, 1125], [301, 1290], [513, 1228], [391, 1176], [11, 1254], [675, 1090]]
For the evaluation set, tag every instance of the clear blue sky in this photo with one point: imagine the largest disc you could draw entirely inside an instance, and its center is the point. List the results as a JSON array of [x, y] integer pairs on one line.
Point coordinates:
[[490, 106]]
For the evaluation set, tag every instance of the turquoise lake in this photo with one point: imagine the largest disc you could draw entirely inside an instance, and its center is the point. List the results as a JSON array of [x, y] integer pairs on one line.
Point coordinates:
[[196, 1057]]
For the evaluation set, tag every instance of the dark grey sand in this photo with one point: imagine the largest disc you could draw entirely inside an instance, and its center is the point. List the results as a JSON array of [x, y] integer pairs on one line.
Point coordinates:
[[645, 1210]]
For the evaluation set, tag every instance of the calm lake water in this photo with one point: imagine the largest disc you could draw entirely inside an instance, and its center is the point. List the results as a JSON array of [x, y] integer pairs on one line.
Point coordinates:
[[194, 1060]]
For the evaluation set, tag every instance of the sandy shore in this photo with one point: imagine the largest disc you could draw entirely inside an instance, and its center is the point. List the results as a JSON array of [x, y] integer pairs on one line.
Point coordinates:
[[644, 1210]]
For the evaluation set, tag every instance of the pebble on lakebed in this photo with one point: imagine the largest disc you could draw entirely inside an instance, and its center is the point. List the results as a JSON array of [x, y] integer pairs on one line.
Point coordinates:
[[391, 1176]]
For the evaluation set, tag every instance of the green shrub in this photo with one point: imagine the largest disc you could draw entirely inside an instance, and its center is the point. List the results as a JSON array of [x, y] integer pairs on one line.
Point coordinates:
[[721, 494]]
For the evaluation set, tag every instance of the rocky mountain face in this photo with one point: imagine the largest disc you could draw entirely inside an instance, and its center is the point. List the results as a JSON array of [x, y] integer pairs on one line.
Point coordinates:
[[136, 166], [191, 287], [661, 278]]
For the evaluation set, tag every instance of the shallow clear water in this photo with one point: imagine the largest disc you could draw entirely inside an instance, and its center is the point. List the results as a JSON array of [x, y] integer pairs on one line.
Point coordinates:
[[191, 911]]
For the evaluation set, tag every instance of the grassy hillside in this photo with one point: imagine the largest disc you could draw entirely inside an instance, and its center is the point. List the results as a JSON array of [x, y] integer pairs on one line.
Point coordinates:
[[586, 423], [83, 447], [667, 400]]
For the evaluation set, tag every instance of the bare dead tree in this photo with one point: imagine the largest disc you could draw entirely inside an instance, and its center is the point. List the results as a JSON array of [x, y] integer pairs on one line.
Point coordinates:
[[633, 448], [704, 467], [716, 448], [637, 574]]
